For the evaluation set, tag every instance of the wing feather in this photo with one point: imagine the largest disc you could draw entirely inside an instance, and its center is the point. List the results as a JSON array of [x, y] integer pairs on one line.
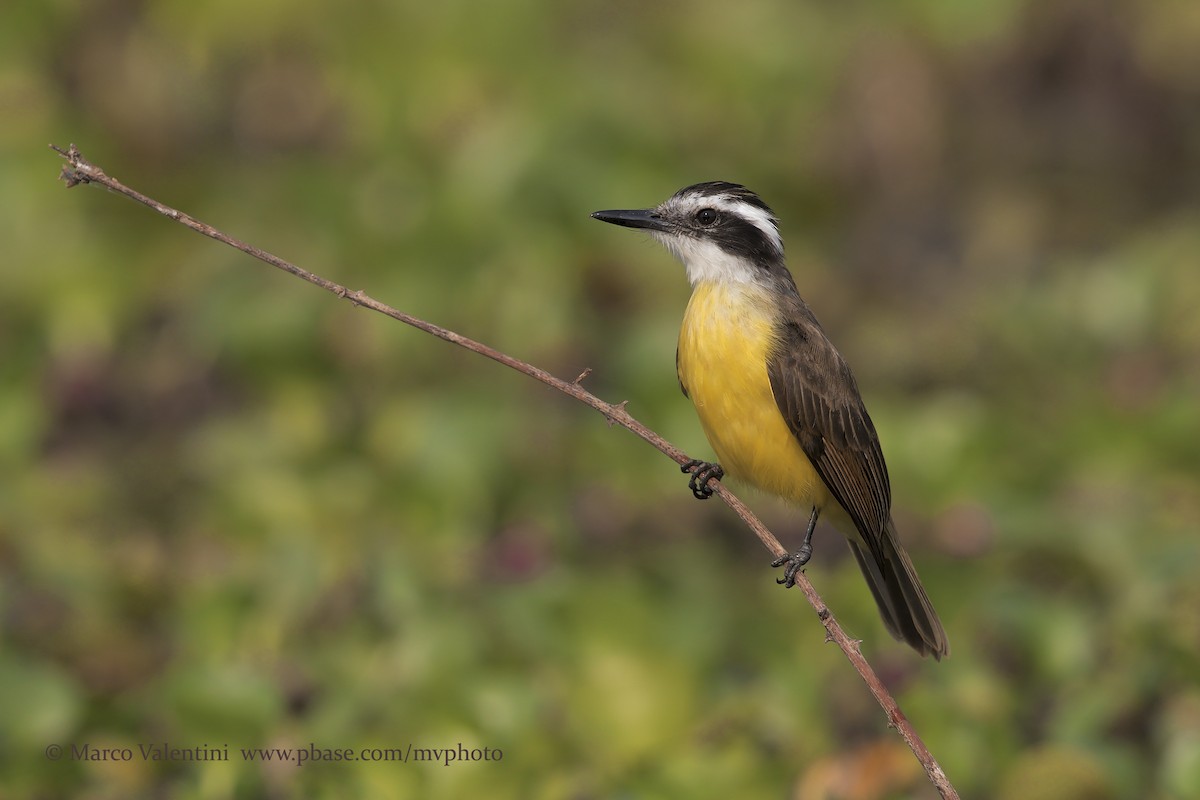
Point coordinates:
[[819, 399], [679, 375]]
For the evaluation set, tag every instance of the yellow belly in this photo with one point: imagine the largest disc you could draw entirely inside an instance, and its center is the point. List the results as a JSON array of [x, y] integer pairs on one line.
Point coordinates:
[[723, 347]]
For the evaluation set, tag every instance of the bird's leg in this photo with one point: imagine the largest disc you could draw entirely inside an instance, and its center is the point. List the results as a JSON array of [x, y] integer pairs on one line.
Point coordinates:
[[792, 564], [702, 473]]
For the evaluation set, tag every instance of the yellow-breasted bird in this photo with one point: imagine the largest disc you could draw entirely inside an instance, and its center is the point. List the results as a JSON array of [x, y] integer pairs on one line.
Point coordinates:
[[776, 399]]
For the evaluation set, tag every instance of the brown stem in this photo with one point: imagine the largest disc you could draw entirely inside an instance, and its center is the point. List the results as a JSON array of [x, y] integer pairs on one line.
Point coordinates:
[[79, 170]]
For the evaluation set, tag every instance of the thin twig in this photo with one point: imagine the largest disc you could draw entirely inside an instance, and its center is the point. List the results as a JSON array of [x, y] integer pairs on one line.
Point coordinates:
[[79, 170]]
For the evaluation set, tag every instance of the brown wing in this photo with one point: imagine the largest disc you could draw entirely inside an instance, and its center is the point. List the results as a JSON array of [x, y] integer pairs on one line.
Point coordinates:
[[818, 397], [679, 377]]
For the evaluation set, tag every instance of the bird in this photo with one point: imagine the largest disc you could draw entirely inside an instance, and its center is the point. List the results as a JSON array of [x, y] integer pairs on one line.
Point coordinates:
[[776, 400]]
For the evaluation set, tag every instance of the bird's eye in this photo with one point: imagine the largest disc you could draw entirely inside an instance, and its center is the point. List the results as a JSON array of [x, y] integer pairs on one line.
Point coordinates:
[[706, 216]]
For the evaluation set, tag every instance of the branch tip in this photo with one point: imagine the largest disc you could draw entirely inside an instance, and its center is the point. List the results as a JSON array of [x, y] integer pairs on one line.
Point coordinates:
[[71, 177], [78, 169], [586, 371]]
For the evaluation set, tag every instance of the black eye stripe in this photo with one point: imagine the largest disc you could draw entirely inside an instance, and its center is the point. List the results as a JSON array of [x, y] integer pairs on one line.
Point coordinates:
[[742, 238]]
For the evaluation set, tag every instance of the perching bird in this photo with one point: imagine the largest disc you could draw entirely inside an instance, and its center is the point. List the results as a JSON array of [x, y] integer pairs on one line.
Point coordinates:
[[776, 399]]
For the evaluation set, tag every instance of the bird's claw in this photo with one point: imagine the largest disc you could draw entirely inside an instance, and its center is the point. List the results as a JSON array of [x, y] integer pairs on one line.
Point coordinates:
[[792, 564], [702, 473]]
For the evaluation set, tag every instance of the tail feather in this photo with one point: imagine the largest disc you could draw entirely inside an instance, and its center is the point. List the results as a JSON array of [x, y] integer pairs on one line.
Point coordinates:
[[905, 607]]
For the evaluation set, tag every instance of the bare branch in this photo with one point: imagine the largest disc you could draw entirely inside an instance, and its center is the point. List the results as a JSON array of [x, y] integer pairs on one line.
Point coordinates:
[[79, 170]]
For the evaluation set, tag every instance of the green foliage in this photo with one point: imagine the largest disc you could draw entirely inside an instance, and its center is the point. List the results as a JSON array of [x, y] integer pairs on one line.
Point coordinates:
[[235, 511]]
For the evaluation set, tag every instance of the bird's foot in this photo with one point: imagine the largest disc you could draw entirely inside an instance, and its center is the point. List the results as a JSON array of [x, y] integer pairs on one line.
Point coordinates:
[[702, 473], [792, 564]]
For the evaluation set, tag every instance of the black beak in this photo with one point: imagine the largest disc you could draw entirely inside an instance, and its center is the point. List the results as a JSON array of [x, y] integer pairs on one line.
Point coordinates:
[[646, 218]]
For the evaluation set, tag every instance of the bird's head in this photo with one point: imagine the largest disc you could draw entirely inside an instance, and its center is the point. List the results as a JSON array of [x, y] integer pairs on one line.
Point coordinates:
[[722, 232]]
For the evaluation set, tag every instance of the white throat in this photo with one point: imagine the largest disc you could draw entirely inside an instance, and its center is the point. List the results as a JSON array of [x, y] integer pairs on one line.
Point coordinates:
[[705, 262]]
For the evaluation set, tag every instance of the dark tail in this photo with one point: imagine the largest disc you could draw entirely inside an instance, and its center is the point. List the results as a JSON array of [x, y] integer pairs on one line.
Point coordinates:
[[903, 604]]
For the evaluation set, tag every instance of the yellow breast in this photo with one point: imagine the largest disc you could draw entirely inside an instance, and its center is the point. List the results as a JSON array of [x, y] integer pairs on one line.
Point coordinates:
[[727, 334]]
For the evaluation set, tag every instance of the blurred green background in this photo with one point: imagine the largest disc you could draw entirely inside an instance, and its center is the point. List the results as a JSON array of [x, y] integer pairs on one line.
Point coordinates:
[[237, 511]]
